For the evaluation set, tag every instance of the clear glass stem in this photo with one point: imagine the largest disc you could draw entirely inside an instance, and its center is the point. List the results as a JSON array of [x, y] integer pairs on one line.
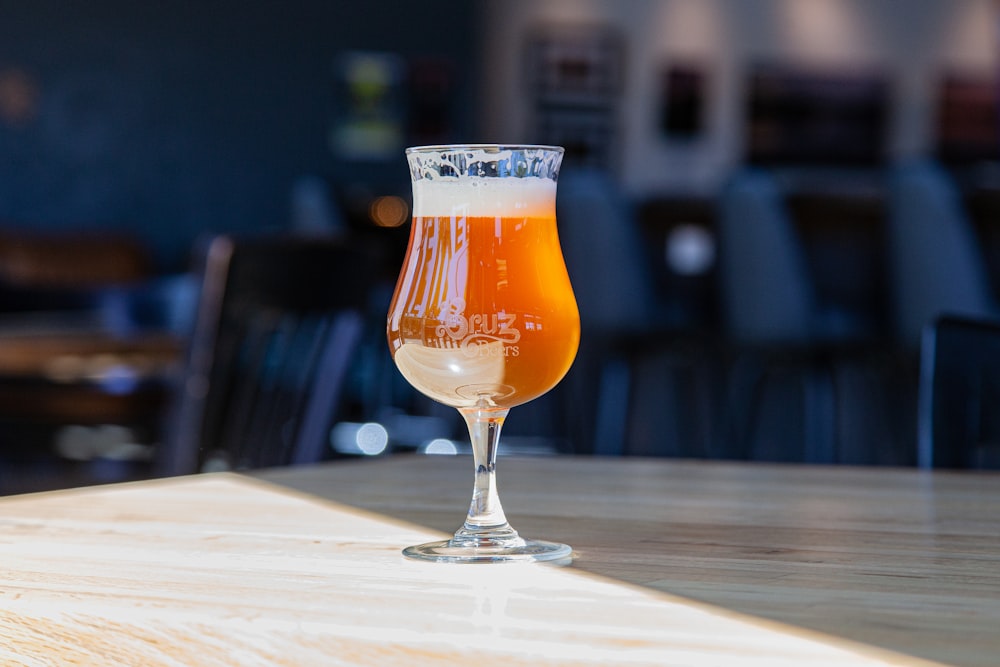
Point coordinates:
[[486, 525], [486, 537]]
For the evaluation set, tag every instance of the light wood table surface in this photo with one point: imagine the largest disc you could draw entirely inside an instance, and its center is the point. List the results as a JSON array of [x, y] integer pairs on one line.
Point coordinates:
[[225, 569], [901, 559]]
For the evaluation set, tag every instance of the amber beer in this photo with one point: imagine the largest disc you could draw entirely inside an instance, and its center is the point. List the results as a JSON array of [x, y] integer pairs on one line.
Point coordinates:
[[483, 312]]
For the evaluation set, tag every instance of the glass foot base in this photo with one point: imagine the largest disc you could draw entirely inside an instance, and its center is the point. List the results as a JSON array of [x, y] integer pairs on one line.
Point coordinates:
[[461, 551]]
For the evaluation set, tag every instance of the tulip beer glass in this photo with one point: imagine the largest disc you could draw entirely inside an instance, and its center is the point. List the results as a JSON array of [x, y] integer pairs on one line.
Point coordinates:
[[483, 317]]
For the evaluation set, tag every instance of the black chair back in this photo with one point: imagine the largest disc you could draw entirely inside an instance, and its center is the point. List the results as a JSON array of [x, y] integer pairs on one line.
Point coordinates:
[[959, 394], [278, 325]]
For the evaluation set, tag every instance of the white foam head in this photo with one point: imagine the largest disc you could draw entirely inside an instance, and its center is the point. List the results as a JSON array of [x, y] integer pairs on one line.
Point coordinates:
[[484, 180], [477, 196]]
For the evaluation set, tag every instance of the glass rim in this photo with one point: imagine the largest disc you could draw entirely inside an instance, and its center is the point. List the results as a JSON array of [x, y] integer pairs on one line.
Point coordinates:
[[498, 148]]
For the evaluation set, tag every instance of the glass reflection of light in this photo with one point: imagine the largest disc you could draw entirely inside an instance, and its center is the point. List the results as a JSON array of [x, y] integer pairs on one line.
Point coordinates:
[[440, 446], [369, 439], [119, 379], [690, 250], [388, 211], [117, 374], [372, 438]]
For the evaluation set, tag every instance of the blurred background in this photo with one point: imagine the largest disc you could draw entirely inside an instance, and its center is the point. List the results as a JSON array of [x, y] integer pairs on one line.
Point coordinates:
[[764, 205]]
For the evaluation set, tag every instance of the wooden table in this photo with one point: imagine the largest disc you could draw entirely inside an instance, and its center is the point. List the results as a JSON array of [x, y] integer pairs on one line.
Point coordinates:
[[896, 558], [735, 565]]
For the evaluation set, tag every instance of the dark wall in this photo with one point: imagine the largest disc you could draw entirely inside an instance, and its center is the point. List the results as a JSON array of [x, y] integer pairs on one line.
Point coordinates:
[[176, 118]]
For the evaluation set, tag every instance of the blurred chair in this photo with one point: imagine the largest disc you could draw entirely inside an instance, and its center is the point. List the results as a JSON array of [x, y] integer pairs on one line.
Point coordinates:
[[767, 311], [279, 321], [604, 253], [959, 394], [626, 332], [72, 278], [981, 202], [70, 261], [766, 292], [805, 380], [80, 387], [936, 264]]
